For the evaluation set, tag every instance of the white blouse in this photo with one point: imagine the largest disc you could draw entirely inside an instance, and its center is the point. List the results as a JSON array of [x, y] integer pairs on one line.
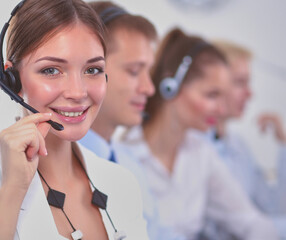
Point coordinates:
[[124, 203], [199, 187]]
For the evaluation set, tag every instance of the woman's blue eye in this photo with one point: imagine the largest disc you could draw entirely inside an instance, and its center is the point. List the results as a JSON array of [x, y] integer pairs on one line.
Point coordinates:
[[93, 71], [50, 71]]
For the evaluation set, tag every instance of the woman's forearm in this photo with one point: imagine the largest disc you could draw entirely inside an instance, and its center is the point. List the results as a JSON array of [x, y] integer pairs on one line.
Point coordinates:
[[10, 205]]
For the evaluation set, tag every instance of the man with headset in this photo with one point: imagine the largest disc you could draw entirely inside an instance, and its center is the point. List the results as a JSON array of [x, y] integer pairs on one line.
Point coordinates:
[[130, 54]]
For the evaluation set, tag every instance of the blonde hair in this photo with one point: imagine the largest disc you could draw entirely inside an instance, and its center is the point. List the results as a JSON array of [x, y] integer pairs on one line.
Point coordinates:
[[232, 50]]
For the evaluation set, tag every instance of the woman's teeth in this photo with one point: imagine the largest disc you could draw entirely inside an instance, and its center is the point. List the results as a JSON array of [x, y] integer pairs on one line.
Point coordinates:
[[69, 114]]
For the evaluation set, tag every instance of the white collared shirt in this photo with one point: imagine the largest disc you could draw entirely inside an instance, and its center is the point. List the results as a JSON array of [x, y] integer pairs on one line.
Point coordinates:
[[198, 188], [124, 203], [236, 155], [102, 148]]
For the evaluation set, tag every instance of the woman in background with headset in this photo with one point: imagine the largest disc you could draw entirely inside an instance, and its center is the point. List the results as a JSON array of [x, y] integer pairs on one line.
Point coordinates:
[[186, 178], [48, 182]]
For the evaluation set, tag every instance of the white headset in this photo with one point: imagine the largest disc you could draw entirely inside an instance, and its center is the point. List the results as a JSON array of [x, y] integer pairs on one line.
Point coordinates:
[[170, 86]]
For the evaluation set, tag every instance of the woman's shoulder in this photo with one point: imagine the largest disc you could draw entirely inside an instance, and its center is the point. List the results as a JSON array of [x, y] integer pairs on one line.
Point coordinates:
[[106, 173], [117, 182]]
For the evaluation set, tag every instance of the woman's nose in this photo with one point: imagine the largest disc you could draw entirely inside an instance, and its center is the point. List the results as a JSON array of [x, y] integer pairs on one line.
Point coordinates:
[[75, 87], [248, 93], [221, 107]]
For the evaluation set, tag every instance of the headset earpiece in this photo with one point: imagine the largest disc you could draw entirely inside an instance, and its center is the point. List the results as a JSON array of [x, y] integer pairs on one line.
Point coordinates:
[[12, 79], [170, 86]]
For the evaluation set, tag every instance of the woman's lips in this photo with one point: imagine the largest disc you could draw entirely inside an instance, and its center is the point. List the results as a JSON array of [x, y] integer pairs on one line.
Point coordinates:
[[211, 121], [71, 115]]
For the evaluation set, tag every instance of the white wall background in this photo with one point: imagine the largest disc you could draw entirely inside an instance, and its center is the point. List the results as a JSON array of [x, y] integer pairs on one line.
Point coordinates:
[[257, 24]]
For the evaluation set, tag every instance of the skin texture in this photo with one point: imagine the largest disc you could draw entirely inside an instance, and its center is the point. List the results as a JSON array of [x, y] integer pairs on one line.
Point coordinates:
[[239, 92], [201, 101], [198, 105], [274, 122], [50, 85], [66, 73], [129, 85]]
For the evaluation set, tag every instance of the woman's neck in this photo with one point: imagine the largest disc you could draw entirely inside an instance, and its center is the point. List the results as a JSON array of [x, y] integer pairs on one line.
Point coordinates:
[[164, 136], [58, 164]]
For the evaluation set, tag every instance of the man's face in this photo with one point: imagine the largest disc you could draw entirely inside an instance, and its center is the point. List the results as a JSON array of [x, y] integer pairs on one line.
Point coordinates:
[[129, 86]]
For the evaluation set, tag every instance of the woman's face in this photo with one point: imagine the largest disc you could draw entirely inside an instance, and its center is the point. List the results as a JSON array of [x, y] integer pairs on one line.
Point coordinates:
[[239, 92], [201, 101], [65, 76]]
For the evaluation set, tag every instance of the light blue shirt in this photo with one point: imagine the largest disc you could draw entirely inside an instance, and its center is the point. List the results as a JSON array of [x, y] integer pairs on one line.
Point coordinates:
[[269, 198], [103, 149]]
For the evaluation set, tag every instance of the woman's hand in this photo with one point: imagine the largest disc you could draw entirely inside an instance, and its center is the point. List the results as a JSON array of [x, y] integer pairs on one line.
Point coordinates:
[[21, 145], [269, 119]]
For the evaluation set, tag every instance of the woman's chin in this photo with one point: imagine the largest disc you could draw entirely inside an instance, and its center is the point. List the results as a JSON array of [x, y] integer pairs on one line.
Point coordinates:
[[71, 135]]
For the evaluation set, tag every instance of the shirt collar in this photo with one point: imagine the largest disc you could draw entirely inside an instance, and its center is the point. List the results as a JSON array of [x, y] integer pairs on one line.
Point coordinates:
[[135, 136], [96, 144]]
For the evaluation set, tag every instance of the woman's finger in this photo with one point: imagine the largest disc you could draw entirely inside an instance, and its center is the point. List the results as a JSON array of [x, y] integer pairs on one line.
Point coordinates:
[[43, 129], [34, 118]]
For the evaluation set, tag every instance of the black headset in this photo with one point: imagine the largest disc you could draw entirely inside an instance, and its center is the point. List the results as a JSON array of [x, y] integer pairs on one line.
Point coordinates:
[[170, 86], [110, 13], [11, 84], [10, 81]]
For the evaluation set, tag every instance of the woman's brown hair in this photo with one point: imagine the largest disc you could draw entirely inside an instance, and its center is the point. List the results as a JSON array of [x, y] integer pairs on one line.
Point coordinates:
[[173, 48], [39, 20]]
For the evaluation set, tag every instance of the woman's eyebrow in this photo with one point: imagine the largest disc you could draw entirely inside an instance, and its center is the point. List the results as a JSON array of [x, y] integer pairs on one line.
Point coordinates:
[[53, 59], [96, 59]]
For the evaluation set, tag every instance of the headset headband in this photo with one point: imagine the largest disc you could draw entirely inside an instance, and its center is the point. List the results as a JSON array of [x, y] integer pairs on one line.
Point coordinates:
[[111, 13], [188, 59], [170, 86], [4, 30], [194, 51]]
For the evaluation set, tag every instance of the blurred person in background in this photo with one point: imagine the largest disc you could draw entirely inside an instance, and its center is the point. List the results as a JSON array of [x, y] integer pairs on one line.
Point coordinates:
[[131, 42], [234, 151], [186, 177]]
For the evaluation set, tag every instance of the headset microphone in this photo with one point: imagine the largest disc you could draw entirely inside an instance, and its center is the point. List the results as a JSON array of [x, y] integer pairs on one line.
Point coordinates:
[[20, 100], [10, 80]]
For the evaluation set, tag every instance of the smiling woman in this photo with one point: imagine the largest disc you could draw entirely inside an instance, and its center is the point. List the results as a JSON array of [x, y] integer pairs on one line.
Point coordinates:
[[54, 74], [46, 177]]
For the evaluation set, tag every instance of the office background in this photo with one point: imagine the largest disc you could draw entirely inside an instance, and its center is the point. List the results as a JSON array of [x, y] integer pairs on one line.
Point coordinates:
[[257, 24]]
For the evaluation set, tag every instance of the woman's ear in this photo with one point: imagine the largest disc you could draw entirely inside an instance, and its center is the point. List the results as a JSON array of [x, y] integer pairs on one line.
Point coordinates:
[[8, 64]]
